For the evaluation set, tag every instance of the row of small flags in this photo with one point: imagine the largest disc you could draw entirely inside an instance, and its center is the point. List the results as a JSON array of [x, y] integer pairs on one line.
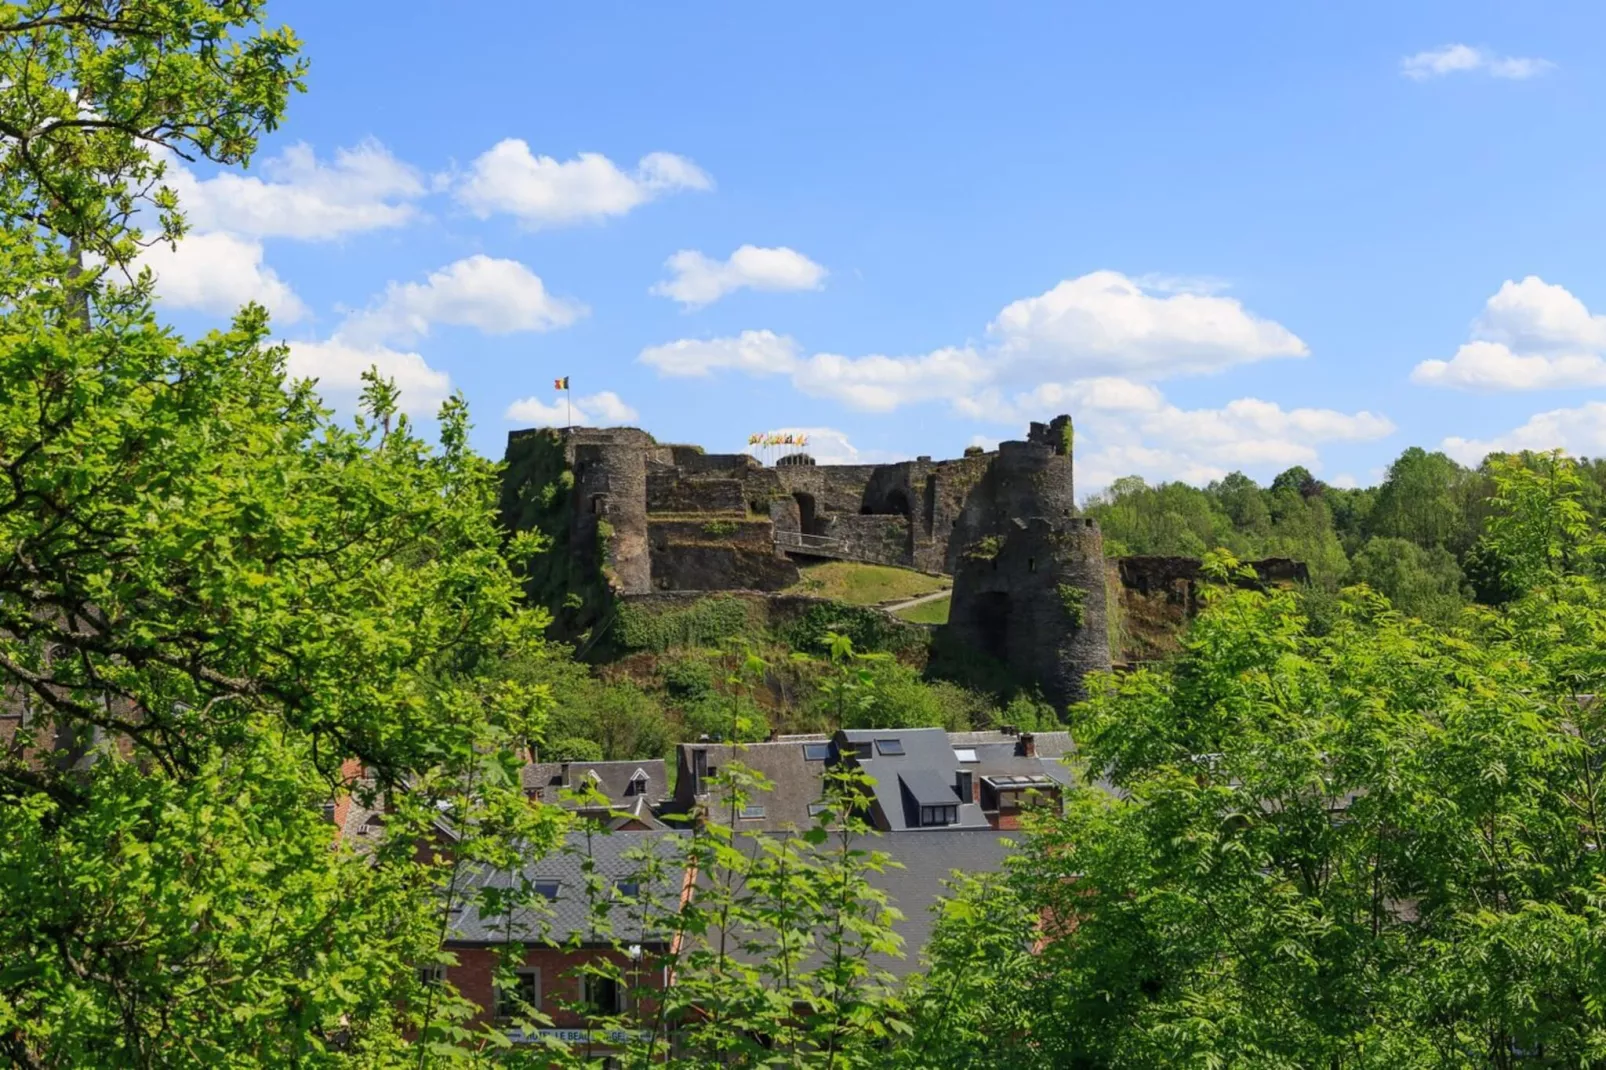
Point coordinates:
[[775, 438]]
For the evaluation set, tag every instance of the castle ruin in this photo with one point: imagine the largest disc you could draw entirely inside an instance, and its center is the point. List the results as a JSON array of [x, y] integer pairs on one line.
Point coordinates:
[[1029, 578]]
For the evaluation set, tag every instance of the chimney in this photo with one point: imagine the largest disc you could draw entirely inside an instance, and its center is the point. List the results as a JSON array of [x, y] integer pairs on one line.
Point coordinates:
[[1028, 744]]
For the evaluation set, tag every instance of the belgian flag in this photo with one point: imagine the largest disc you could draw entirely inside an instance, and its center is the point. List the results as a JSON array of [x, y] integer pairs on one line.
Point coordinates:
[[561, 384]]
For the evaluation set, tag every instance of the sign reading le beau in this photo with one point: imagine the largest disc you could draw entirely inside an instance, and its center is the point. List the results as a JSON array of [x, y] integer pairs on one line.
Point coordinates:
[[577, 1036]]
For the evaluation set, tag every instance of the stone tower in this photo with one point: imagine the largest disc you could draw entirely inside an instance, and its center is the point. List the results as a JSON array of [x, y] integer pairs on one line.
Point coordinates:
[[1031, 593], [610, 502]]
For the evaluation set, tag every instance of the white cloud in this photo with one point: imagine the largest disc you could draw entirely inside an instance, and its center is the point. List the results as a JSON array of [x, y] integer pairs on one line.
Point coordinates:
[[1099, 326], [1344, 481], [543, 191], [1130, 428], [881, 384], [493, 295], [365, 188], [1092, 346], [338, 367], [1531, 335], [1104, 323], [1464, 59], [753, 352], [217, 273], [605, 408], [1580, 431], [699, 280]]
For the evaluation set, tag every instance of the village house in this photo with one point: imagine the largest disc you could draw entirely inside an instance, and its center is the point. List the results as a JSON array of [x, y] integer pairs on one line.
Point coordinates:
[[561, 932]]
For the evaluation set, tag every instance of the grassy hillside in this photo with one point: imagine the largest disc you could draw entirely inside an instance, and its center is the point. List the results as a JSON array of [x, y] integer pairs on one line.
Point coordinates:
[[867, 585], [932, 612]]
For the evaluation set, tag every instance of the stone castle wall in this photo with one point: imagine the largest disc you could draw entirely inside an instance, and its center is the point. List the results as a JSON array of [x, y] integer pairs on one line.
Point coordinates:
[[1029, 584]]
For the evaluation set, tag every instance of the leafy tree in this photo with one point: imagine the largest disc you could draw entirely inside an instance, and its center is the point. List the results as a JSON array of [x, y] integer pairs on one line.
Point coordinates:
[[1244, 503], [1422, 583], [218, 607], [1302, 528], [1377, 846], [1297, 479], [1424, 500]]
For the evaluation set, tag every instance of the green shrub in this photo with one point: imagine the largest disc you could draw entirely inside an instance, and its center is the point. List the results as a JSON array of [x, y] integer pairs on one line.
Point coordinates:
[[1073, 598], [687, 680], [985, 548], [572, 749], [720, 528], [870, 629], [702, 623], [727, 717]]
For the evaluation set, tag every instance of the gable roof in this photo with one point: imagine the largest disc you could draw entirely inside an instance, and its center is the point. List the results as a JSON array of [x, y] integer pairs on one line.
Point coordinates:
[[923, 749], [569, 913], [796, 781], [546, 781], [915, 885]]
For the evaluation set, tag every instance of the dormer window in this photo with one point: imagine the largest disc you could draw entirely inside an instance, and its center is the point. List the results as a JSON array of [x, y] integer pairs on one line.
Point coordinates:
[[938, 815], [638, 783]]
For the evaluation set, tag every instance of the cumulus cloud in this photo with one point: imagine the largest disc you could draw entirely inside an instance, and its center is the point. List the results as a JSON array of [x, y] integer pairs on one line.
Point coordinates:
[[1580, 430], [596, 410], [492, 295], [1099, 325], [541, 191], [1531, 335], [299, 196], [881, 384], [1464, 59], [217, 273], [701, 280], [1125, 427], [1199, 445], [753, 352], [1105, 323], [338, 368], [1093, 346]]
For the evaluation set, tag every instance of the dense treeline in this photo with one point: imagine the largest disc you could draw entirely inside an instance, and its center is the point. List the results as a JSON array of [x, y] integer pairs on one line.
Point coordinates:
[[1415, 537]]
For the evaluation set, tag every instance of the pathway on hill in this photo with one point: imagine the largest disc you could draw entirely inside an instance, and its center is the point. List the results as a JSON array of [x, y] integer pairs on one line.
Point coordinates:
[[894, 607]]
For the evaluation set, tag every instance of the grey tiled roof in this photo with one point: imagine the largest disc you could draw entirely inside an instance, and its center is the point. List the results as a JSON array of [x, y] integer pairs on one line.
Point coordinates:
[[547, 781], [923, 749], [796, 782], [569, 913], [928, 860], [915, 884]]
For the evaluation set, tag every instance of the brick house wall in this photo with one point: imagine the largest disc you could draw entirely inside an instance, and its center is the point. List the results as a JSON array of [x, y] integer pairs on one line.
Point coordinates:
[[474, 973]]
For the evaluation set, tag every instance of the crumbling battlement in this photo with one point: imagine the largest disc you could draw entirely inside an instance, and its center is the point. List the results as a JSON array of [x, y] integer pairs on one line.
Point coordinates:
[[918, 514], [1029, 575]]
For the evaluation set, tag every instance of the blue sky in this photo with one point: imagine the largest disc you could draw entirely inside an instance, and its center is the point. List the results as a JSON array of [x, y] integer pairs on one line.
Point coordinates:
[[1223, 236]]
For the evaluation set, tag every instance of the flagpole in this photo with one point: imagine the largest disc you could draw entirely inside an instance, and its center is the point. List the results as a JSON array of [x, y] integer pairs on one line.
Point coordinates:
[[568, 401]]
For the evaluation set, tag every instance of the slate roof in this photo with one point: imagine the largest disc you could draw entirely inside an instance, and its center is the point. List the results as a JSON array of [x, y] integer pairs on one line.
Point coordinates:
[[569, 913], [928, 860], [545, 781], [923, 749], [797, 782], [916, 884], [1000, 753]]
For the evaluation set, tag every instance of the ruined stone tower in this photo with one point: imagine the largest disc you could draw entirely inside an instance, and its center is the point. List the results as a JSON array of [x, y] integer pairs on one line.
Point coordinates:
[[1031, 592], [610, 501]]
